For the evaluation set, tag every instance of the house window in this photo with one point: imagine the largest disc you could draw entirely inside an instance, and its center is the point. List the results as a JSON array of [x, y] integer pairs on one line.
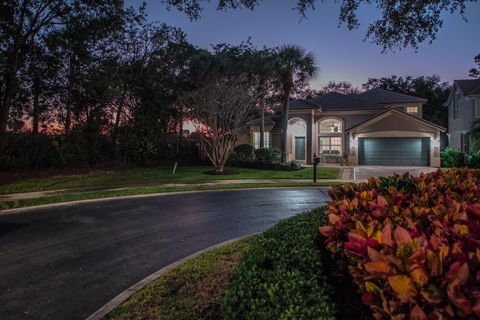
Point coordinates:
[[477, 108], [330, 136], [256, 139], [465, 142], [455, 107], [330, 126], [330, 145], [412, 109]]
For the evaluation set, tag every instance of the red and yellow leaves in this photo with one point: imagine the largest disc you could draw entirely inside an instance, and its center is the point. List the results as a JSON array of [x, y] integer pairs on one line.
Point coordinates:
[[402, 236], [403, 287], [378, 268], [413, 243], [417, 313]]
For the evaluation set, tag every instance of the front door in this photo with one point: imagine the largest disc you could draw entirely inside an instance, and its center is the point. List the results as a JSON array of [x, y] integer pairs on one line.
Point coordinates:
[[299, 148]]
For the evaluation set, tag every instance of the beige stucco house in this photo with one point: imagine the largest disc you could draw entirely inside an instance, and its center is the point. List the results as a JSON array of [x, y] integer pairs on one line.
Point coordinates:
[[376, 127]]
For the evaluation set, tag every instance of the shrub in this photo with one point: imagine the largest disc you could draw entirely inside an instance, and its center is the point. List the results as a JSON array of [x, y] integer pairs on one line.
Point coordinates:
[[243, 152], [271, 155], [412, 243], [293, 165], [473, 160], [281, 275], [451, 158]]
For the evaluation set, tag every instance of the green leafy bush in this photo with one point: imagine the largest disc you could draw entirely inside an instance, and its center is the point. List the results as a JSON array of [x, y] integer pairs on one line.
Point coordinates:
[[293, 165], [412, 243], [281, 276], [452, 158], [473, 160], [271, 155], [243, 152]]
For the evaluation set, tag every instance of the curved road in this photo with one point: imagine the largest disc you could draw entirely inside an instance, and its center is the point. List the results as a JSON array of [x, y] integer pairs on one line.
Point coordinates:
[[66, 262]]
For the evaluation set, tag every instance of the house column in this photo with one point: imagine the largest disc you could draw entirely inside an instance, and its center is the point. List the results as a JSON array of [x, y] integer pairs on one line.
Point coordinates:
[[308, 132]]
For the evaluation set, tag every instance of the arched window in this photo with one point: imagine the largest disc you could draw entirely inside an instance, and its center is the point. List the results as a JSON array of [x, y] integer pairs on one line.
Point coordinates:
[[330, 132], [330, 126]]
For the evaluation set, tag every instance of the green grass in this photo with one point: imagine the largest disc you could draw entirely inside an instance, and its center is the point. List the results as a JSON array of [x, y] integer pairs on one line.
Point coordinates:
[[190, 291], [147, 190], [155, 176]]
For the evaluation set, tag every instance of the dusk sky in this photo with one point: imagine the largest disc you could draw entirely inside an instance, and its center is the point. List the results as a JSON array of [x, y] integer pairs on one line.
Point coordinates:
[[340, 54]]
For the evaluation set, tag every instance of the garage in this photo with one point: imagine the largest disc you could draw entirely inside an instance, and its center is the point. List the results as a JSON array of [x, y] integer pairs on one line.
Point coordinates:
[[407, 151]]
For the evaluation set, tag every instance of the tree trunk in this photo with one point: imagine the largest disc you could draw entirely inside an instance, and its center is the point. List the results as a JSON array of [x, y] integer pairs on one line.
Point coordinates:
[[6, 101], [286, 106], [36, 108], [180, 134], [262, 117], [68, 119], [121, 103]]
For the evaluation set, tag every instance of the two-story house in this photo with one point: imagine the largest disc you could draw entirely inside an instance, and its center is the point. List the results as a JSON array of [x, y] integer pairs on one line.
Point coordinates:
[[376, 127], [463, 109]]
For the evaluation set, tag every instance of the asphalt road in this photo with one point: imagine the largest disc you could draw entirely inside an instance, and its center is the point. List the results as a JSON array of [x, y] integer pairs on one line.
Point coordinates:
[[67, 262]]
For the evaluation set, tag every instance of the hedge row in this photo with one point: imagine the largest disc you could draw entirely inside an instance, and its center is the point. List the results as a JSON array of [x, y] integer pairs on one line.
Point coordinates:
[[412, 243], [281, 276]]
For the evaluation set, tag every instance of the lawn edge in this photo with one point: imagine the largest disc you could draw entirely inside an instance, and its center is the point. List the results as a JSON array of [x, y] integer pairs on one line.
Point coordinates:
[[122, 297], [156, 194]]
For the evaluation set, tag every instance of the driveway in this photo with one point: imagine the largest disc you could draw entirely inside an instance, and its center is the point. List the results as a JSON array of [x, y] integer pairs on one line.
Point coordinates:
[[365, 172], [66, 262]]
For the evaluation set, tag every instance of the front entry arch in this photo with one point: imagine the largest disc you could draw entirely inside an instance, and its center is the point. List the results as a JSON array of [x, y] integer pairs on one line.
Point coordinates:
[[297, 140]]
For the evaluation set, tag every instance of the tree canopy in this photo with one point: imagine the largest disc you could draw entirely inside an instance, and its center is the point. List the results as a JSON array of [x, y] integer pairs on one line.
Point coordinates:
[[402, 23]]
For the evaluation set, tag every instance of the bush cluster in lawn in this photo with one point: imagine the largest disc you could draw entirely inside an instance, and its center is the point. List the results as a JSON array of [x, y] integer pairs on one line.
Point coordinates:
[[281, 276], [452, 158], [412, 243], [246, 156]]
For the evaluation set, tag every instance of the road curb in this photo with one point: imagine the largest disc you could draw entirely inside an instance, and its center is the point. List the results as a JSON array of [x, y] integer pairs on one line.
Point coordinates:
[[139, 196], [112, 304]]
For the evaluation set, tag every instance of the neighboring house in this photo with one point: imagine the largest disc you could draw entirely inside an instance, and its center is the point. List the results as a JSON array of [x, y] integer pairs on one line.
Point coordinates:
[[463, 109], [376, 127]]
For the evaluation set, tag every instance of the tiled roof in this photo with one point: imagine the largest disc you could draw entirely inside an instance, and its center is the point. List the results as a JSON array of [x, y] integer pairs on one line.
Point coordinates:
[[258, 121], [383, 96], [300, 104], [469, 86], [368, 100], [338, 101]]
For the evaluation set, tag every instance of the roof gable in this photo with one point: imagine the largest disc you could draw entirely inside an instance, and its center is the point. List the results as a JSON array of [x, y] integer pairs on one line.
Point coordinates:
[[395, 120], [469, 86]]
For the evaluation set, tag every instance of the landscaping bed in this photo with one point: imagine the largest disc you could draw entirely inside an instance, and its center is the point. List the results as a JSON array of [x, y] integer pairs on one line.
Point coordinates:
[[412, 244], [284, 274]]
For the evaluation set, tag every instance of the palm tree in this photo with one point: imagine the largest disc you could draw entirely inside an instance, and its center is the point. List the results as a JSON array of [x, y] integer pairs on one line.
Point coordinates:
[[295, 68], [263, 65]]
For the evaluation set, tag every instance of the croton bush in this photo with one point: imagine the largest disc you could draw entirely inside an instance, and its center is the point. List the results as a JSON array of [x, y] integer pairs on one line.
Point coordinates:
[[412, 243]]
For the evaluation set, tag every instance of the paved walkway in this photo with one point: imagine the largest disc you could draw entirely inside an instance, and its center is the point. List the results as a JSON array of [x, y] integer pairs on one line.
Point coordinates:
[[364, 172], [39, 194], [66, 262]]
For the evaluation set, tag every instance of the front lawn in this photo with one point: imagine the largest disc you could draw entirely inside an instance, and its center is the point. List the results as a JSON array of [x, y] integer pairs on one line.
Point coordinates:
[[191, 291], [157, 175]]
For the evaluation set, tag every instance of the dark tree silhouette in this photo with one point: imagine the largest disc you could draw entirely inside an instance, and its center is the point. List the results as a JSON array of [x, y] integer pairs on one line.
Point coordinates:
[[402, 23], [475, 72]]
